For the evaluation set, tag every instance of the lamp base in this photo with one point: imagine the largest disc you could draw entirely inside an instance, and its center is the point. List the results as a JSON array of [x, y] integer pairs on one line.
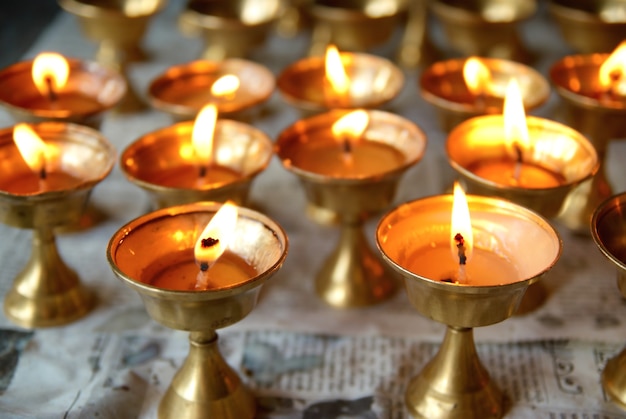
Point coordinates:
[[454, 384], [614, 379], [205, 386], [353, 276], [46, 293]]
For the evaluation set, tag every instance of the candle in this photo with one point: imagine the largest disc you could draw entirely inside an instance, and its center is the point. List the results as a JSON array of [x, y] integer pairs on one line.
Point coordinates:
[[344, 151], [464, 88], [205, 159], [443, 261], [343, 80], [233, 85], [53, 87], [209, 265], [510, 242], [43, 161], [515, 151]]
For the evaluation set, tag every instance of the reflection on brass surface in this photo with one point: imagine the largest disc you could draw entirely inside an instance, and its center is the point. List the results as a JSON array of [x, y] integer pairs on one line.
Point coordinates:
[[352, 275], [482, 138], [229, 29], [355, 25], [238, 146], [443, 85], [46, 292], [608, 229], [182, 90], [118, 27], [205, 386], [590, 26], [575, 80], [416, 47], [454, 384], [99, 85], [374, 81], [486, 28]]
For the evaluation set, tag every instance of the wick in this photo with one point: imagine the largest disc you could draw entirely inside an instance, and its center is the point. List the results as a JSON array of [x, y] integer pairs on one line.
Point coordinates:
[[346, 147], [202, 280], [209, 242], [202, 171], [481, 101], [52, 96], [519, 159], [460, 245]]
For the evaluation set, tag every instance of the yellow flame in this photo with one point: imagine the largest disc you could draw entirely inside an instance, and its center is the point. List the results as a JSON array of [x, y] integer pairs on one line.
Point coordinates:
[[335, 71], [32, 148], [613, 69], [350, 126], [461, 223], [50, 70], [203, 133], [515, 128], [219, 232], [226, 85], [476, 75]]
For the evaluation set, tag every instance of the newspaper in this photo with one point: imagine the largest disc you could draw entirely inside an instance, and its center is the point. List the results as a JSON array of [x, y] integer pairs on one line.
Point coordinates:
[[301, 358]]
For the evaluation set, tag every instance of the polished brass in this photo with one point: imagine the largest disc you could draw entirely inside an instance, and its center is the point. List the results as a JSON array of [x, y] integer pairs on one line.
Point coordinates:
[[482, 138], [590, 26], [356, 25], [375, 81], [352, 274], [229, 29], [608, 229], [442, 84], [19, 95], [205, 386], [454, 384], [294, 19], [46, 292], [118, 26], [416, 48], [182, 90], [485, 28], [237, 146], [575, 80]]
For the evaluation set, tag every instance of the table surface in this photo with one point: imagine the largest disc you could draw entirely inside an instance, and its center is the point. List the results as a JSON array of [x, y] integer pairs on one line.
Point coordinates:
[[300, 356]]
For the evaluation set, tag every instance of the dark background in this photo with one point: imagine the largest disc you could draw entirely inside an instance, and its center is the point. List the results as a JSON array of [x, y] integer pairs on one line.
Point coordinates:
[[21, 22]]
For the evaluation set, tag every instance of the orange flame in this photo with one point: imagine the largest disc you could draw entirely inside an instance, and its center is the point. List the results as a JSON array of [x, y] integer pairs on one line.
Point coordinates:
[[515, 128], [32, 148], [350, 126], [50, 72], [476, 75], [216, 236], [461, 224], [613, 71], [225, 85], [335, 71], [203, 133]]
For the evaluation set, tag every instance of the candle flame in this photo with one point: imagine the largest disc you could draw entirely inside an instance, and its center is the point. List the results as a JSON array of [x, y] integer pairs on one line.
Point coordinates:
[[203, 133], [612, 72], [216, 236], [50, 71], [461, 225], [225, 86], [32, 148], [515, 128], [476, 75], [351, 126], [335, 71]]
